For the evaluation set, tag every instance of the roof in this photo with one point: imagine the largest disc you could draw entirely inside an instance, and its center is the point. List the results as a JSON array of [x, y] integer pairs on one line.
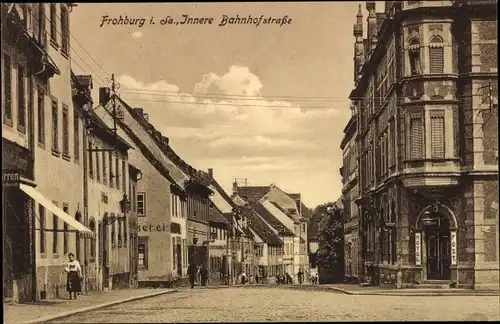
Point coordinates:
[[253, 193], [306, 212], [292, 217], [105, 131], [262, 229], [269, 218], [294, 195], [221, 191], [216, 216]]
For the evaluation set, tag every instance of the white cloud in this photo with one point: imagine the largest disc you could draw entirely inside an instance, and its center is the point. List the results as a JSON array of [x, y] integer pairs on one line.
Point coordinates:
[[136, 34], [227, 124]]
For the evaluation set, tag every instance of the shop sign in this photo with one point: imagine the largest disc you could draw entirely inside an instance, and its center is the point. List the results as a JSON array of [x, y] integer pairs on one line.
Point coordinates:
[[418, 249], [10, 178], [15, 157], [163, 227], [453, 248]]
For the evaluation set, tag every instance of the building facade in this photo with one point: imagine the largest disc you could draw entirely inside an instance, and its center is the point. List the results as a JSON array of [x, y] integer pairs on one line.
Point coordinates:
[[350, 189], [425, 95]]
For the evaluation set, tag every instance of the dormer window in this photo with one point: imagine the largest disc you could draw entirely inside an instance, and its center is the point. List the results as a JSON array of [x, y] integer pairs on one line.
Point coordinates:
[[414, 56]]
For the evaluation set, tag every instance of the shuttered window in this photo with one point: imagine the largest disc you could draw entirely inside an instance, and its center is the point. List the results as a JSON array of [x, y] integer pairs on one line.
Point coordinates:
[[416, 137], [437, 134], [436, 60]]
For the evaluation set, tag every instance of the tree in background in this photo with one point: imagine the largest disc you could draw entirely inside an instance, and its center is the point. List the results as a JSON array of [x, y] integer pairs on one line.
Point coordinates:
[[331, 246]]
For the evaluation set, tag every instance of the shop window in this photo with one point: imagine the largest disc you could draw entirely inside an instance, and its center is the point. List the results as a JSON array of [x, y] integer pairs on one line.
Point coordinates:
[[55, 234], [436, 55], [142, 252], [437, 134]]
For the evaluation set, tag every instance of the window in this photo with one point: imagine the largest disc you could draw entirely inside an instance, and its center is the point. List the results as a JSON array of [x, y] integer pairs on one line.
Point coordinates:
[[39, 13], [98, 167], [55, 127], [124, 175], [21, 99], [113, 232], [7, 95], [125, 236], [53, 23], [184, 252], [91, 161], [92, 227], [41, 215], [64, 30], [76, 137], [141, 204], [414, 56], [134, 197], [416, 139], [65, 233], [111, 175], [65, 130], [117, 173], [142, 253], [41, 115], [104, 169], [437, 134], [55, 238], [436, 55]]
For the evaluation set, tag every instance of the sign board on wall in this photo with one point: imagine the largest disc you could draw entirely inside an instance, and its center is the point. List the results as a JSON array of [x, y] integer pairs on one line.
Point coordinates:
[[418, 249], [453, 239], [10, 178]]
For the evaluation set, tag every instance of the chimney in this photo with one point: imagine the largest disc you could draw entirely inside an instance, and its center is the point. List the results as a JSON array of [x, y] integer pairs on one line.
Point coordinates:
[[104, 96], [211, 173], [139, 111], [165, 140]]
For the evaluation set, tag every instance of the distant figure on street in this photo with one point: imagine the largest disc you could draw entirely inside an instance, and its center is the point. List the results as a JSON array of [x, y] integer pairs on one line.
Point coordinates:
[[256, 278], [243, 278], [300, 275], [204, 275], [288, 278], [192, 272], [74, 276]]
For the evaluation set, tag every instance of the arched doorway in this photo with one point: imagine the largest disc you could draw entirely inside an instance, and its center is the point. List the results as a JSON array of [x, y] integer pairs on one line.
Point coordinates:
[[438, 246]]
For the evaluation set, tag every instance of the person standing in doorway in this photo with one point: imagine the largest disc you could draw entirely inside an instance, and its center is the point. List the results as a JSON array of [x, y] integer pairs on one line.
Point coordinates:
[[74, 276], [192, 272]]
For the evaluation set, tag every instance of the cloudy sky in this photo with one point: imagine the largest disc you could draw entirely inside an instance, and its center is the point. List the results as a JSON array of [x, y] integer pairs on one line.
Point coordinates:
[[265, 103]]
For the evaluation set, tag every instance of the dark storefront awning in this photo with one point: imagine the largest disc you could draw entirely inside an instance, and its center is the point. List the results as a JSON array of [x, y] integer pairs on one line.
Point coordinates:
[[58, 212]]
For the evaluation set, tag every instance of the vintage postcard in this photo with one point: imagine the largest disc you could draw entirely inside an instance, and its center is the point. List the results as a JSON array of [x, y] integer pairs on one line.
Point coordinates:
[[250, 161]]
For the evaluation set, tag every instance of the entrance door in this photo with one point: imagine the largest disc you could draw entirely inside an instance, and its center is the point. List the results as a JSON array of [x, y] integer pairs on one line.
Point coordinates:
[[438, 249], [179, 260]]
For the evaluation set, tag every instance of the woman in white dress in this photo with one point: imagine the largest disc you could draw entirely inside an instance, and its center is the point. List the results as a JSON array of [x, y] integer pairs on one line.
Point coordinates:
[[74, 271]]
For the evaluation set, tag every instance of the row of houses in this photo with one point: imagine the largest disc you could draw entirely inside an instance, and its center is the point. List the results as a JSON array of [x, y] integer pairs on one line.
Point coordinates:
[[420, 168], [93, 177]]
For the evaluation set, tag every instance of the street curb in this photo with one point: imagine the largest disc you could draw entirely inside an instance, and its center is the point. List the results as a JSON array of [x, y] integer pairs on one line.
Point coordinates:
[[95, 307], [416, 294]]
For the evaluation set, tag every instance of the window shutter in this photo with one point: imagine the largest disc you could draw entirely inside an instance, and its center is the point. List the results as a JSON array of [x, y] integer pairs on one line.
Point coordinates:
[[416, 136], [436, 60], [437, 134]]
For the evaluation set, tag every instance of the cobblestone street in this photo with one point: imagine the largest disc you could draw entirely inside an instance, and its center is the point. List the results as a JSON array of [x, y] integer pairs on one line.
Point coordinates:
[[277, 304]]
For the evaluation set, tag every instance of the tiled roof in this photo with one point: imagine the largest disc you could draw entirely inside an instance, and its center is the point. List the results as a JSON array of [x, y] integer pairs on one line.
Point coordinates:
[[252, 193], [263, 230], [216, 216], [269, 218], [288, 213]]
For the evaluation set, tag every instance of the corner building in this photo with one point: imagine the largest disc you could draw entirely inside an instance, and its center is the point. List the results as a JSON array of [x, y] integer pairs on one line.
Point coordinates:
[[426, 107]]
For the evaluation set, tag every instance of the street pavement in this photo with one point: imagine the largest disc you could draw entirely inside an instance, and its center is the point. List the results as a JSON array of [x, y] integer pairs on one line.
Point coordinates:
[[259, 304]]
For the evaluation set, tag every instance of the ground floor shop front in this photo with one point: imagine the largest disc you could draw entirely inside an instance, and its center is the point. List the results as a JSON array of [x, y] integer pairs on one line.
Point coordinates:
[[450, 237]]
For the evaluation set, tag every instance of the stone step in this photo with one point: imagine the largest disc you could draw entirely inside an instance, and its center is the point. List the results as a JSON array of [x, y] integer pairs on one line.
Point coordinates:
[[432, 286]]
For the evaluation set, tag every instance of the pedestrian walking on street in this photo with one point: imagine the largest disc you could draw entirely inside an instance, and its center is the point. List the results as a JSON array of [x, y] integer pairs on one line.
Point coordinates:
[[243, 278], [300, 275], [74, 276], [192, 272], [204, 275]]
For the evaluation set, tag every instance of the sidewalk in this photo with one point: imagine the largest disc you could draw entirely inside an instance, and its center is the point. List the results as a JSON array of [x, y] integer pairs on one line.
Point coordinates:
[[42, 311], [353, 289]]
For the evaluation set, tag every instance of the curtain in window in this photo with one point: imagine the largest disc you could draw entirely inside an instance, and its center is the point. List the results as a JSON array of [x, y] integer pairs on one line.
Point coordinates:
[[416, 140], [437, 135]]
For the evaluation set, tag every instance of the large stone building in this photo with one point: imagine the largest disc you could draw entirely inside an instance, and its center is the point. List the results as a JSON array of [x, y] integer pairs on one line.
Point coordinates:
[[425, 101]]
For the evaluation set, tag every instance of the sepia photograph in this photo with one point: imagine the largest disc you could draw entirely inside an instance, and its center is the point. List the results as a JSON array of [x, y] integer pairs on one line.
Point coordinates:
[[197, 162]]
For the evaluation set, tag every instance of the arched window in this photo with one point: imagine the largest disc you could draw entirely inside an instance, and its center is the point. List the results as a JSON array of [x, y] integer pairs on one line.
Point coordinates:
[[414, 56], [436, 55]]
